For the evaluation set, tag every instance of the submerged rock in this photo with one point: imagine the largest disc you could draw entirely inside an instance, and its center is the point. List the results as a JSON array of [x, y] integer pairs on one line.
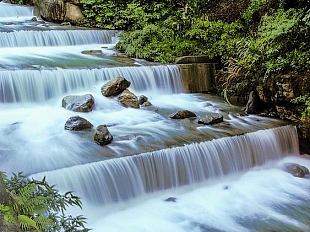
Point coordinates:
[[171, 199], [211, 119], [92, 52], [115, 86], [128, 99], [296, 169], [83, 103], [77, 123], [102, 135], [182, 114]]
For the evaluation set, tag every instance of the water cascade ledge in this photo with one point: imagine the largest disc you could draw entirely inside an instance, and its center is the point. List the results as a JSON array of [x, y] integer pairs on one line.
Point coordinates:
[[14, 11], [42, 85], [121, 179], [57, 38]]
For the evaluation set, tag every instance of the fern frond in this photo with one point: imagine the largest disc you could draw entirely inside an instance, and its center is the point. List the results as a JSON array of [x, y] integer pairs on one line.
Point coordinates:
[[26, 223], [44, 223]]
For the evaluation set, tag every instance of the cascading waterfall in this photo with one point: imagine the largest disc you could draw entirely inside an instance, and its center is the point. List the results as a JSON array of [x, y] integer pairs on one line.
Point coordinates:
[[57, 38], [121, 179], [39, 86], [14, 11], [225, 177]]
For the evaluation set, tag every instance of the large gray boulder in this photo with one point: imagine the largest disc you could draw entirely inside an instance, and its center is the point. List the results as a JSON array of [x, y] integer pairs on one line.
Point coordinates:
[[77, 123], [115, 86], [76, 103], [58, 10], [102, 135], [211, 119], [128, 99]]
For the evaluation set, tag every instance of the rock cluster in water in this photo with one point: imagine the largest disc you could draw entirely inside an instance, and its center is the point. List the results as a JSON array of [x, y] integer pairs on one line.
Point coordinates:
[[85, 103], [117, 88]]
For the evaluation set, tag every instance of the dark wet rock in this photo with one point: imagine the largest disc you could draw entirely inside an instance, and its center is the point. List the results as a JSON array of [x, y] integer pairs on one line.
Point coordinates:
[[211, 119], [128, 99], [83, 103], [115, 86], [77, 123], [92, 52], [171, 199], [102, 135], [253, 104], [142, 99], [296, 169], [182, 114]]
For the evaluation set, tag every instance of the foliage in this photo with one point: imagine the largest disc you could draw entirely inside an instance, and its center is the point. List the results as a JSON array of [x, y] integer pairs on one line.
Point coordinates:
[[305, 99], [253, 8], [279, 45], [35, 205], [270, 37], [17, 2]]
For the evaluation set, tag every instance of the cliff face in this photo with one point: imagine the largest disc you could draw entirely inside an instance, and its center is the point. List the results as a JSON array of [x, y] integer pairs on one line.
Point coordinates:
[[58, 10], [278, 91]]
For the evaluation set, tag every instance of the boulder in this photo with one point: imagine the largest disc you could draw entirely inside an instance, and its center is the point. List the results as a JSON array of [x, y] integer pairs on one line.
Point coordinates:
[[58, 10], [128, 99], [182, 114], [102, 135], [211, 119], [77, 123], [115, 86], [83, 103], [296, 169]]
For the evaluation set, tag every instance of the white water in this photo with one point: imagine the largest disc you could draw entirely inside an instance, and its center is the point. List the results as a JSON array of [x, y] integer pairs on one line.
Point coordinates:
[[220, 184], [56, 38], [14, 11], [262, 199], [120, 179]]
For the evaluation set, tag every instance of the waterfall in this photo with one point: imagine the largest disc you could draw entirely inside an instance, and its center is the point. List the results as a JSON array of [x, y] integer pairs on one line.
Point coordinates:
[[57, 38], [225, 177], [8, 10], [41, 85], [120, 179]]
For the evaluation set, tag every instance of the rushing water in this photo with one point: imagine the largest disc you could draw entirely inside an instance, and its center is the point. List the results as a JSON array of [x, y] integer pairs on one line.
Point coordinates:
[[225, 177]]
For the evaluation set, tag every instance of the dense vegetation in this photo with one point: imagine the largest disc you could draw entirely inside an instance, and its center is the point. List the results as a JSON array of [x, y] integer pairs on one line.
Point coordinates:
[[262, 38], [37, 206]]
